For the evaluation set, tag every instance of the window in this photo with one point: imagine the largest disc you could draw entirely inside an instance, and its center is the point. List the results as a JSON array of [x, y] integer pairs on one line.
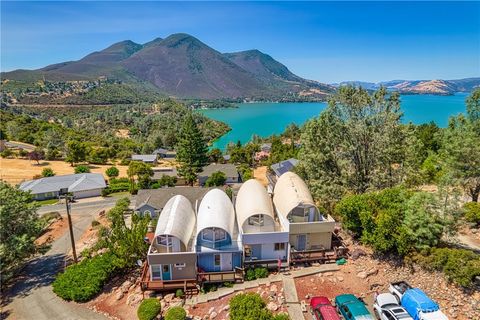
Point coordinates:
[[388, 315], [318, 314], [257, 220], [214, 235], [156, 274], [180, 265], [279, 246], [166, 268], [147, 212], [164, 241], [216, 261]]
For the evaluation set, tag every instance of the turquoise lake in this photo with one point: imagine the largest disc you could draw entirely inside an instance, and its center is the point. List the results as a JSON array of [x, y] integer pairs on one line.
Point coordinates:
[[265, 119]]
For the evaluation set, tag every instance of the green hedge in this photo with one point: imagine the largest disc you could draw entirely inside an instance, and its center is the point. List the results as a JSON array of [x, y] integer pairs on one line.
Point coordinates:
[[82, 281], [149, 309], [459, 265], [250, 306], [176, 313], [256, 273]]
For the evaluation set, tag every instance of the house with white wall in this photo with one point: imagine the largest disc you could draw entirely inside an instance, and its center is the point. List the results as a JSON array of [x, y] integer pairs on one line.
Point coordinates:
[[264, 238]]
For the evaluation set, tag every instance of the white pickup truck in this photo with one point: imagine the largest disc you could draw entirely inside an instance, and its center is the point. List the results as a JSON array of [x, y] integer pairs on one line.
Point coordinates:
[[416, 302]]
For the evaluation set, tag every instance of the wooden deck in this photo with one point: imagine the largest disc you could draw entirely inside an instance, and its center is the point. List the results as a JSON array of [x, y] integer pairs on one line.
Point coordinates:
[[187, 285], [224, 276]]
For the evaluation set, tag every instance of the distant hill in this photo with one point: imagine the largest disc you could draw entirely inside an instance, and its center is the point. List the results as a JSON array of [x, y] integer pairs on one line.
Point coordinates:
[[184, 67], [440, 87]]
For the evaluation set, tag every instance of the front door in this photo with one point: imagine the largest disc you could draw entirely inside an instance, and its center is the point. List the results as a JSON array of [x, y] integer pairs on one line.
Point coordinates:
[[166, 272], [226, 262], [256, 251], [301, 242]]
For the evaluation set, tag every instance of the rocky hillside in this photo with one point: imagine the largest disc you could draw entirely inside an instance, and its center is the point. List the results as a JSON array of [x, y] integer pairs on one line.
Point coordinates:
[[184, 67], [440, 87]]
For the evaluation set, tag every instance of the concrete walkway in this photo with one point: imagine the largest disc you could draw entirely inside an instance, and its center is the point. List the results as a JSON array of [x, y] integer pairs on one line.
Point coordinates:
[[291, 298]]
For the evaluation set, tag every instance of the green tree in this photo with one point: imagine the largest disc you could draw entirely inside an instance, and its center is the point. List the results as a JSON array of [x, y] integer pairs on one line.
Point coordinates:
[[112, 172], [127, 243], [82, 169], [47, 172], [215, 155], [76, 152], [142, 172], [472, 212], [461, 154], [216, 179], [19, 227], [357, 144], [99, 155], [191, 150], [176, 313]]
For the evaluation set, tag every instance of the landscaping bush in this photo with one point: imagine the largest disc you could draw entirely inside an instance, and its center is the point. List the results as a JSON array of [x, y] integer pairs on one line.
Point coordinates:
[[261, 273], [148, 309], [250, 275], [82, 281], [82, 169], [459, 265], [176, 313], [179, 293], [112, 172], [472, 212], [249, 306], [216, 179], [95, 223], [256, 273], [281, 316], [47, 172]]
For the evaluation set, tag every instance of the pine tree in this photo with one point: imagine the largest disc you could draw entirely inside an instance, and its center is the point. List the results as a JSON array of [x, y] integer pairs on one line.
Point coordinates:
[[191, 150]]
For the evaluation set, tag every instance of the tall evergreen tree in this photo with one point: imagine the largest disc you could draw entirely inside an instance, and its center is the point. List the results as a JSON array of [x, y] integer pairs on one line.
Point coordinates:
[[191, 150], [356, 145]]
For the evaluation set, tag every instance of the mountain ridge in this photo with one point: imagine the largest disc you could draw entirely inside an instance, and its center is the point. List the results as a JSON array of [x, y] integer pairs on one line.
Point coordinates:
[[182, 66], [435, 86]]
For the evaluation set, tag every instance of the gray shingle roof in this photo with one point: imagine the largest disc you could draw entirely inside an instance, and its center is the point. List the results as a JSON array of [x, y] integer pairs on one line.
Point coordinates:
[[157, 198], [284, 166], [74, 182], [144, 157], [229, 169]]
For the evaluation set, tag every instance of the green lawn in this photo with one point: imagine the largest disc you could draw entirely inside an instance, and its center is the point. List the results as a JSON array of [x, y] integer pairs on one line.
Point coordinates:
[[47, 202]]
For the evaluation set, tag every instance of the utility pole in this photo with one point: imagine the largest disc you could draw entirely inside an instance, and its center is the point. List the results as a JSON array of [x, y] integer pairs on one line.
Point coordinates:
[[63, 193]]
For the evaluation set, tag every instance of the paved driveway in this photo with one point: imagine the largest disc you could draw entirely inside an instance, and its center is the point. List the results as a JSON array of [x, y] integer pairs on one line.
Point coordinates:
[[32, 296]]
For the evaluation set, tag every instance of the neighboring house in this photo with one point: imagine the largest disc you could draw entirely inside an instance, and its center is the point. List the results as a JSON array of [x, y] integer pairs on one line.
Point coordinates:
[[165, 154], [152, 201], [82, 185], [230, 171], [263, 237], [278, 169], [171, 255], [218, 243], [266, 147], [145, 158], [158, 173], [308, 228]]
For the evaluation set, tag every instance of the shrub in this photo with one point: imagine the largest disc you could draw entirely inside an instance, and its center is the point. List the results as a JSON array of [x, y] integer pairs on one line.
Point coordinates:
[[112, 172], [149, 309], [261, 273], [216, 179], [95, 223], [82, 281], [6, 153], [250, 275], [249, 306], [47, 172], [176, 313], [459, 265], [472, 212], [82, 169], [281, 316], [179, 293]]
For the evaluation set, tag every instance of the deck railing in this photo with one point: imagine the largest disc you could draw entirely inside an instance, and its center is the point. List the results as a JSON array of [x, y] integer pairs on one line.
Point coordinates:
[[146, 284], [221, 276]]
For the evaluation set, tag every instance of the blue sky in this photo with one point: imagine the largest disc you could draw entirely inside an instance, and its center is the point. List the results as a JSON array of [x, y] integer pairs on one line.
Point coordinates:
[[325, 41]]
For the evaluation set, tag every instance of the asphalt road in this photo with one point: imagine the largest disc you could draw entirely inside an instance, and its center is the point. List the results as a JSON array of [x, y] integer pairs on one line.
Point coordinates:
[[32, 296], [79, 207]]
